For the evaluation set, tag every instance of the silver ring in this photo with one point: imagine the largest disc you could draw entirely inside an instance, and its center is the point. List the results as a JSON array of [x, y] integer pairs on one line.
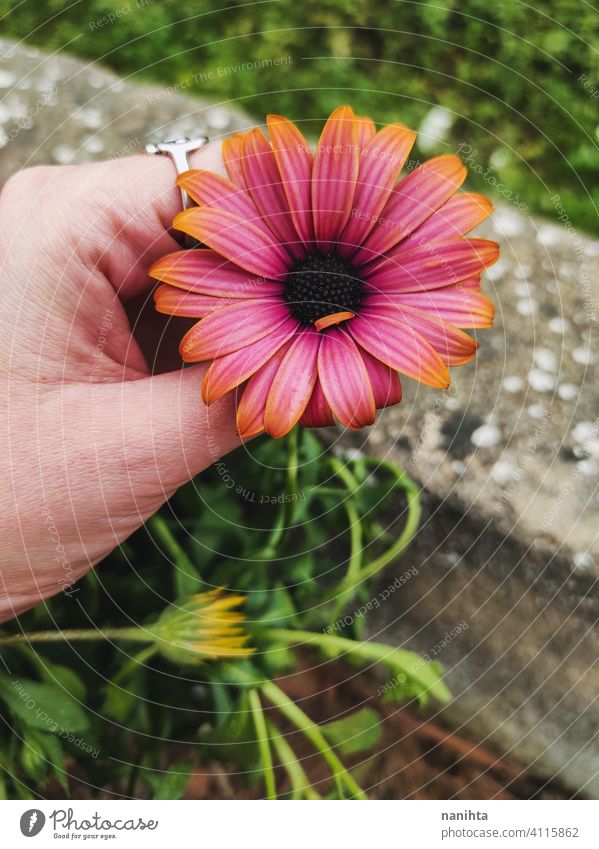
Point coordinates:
[[178, 150]]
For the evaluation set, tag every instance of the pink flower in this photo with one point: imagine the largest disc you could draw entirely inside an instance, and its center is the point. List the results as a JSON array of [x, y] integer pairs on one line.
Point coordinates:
[[323, 277]]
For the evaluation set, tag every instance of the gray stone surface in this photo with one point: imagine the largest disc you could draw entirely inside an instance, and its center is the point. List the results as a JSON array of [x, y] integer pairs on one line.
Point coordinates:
[[508, 458], [58, 110]]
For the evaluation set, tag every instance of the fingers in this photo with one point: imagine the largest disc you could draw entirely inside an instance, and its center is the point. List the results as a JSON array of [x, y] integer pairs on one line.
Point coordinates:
[[113, 216], [155, 434]]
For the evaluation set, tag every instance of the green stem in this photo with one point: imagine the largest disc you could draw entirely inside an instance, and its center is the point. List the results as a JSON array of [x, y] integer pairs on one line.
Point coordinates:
[[390, 656], [141, 657], [309, 728], [300, 783], [349, 584], [177, 554], [134, 634], [355, 530], [263, 744]]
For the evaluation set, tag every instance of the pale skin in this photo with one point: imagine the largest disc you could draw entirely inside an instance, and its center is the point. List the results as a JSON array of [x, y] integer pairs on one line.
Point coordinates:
[[96, 430]]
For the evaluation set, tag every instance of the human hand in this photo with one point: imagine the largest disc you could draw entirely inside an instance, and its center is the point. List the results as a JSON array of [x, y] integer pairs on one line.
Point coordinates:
[[95, 435]]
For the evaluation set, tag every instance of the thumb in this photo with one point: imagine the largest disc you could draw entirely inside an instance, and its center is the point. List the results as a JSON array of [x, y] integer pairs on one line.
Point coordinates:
[[164, 435]]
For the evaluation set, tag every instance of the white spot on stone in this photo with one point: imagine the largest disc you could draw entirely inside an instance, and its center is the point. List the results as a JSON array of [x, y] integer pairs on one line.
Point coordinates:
[[7, 79], [507, 222], [486, 436], [62, 154], [218, 118], [588, 468], [526, 307], [503, 472], [584, 356], [90, 118], [513, 383], [497, 271], [540, 381], [458, 466], [558, 324], [583, 431], [545, 359], [93, 144], [567, 391], [536, 411], [582, 559], [549, 235]]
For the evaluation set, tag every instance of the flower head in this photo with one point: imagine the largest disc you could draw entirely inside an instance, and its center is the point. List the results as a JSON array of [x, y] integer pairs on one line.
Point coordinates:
[[206, 626], [323, 277]]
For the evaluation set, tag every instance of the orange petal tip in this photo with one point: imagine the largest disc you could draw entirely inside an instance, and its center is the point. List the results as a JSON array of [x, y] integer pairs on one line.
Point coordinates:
[[332, 319]]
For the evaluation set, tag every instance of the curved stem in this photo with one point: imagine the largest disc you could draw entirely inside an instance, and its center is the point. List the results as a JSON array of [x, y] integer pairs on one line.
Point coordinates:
[[311, 730], [263, 744], [300, 783], [406, 661]]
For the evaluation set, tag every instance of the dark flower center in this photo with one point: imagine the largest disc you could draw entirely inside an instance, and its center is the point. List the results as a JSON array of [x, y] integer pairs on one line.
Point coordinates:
[[320, 285]]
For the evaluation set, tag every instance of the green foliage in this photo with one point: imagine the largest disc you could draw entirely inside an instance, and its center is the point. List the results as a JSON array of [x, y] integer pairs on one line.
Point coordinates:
[[293, 533], [512, 75]]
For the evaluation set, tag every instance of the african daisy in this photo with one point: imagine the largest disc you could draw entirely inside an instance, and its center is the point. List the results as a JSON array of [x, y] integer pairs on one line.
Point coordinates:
[[322, 277]]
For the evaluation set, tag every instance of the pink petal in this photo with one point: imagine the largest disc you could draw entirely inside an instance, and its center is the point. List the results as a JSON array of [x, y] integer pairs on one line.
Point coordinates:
[[380, 163], [318, 412], [231, 370], [457, 304], [292, 387], [172, 301], [432, 265], [385, 383], [203, 270], [264, 185], [400, 347], [250, 411], [232, 157], [295, 162], [412, 201], [461, 214], [208, 189], [344, 379], [232, 328], [236, 239], [453, 345], [334, 176], [366, 129]]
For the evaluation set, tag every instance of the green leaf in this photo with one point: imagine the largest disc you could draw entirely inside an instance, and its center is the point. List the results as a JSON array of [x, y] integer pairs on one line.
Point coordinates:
[[170, 784], [358, 732], [52, 750], [235, 739], [44, 706]]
